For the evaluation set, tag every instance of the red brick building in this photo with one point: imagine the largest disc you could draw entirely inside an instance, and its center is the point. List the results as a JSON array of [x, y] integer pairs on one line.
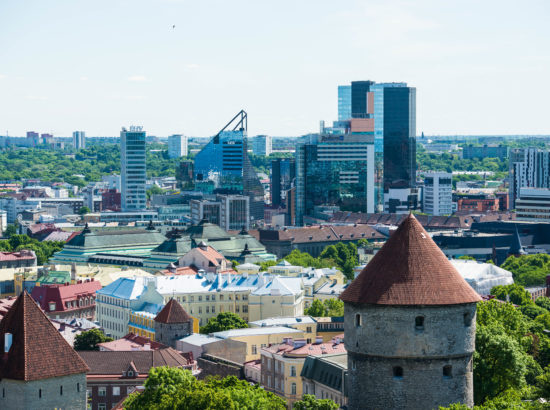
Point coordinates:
[[478, 204], [68, 300], [110, 200]]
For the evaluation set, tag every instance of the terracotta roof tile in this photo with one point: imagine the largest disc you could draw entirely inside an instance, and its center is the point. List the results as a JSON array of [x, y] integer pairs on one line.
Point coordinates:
[[173, 312], [410, 269], [38, 350]]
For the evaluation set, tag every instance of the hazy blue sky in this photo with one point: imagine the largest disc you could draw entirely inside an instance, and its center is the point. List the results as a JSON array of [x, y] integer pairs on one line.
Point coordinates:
[[96, 65]]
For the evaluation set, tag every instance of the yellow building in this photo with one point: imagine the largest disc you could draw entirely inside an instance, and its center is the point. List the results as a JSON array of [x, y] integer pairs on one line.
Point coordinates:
[[281, 365], [283, 296]]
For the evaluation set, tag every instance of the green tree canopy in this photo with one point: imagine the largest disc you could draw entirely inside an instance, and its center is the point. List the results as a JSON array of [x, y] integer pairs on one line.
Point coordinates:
[[223, 321], [84, 210], [327, 308], [528, 270], [90, 339], [310, 402]]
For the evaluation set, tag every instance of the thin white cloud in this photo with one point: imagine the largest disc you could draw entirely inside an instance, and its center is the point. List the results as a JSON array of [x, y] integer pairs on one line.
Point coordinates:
[[2, 76], [137, 78], [192, 66], [36, 97], [134, 97], [83, 78]]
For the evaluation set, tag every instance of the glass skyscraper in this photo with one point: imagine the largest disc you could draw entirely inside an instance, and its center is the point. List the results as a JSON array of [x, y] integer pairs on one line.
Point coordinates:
[[335, 170], [344, 102], [133, 171]]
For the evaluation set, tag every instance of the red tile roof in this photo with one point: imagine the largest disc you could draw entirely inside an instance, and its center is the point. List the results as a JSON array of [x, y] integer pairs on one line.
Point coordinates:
[[173, 312], [211, 255], [5, 305], [410, 269], [60, 294], [131, 342], [17, 256], [38, 351]]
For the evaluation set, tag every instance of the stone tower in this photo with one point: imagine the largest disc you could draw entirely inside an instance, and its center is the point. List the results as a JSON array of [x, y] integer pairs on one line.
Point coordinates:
[[38, 368], [172, 323], [410, 327]]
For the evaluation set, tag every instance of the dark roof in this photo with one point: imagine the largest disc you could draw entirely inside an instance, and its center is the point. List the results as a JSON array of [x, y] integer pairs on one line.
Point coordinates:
[[178, 245], [116, 238], [38, 350], [410, 269], [173, 312], [516, 248], [206, 230], [323, 233], [116, 362], [328, 370]]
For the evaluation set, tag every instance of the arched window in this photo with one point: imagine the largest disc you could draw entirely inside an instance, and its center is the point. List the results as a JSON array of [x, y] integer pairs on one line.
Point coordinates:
[[419, 323], [448, 371], [397, 372], [357, 320]]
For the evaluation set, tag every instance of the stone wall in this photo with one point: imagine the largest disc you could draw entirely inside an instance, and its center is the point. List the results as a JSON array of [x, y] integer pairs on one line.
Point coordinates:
[[409, 357], [170, 333], [44, 394], [216, 366]]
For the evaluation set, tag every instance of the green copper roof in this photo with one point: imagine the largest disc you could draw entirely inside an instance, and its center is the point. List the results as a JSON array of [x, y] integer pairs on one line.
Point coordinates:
[[117, 238]]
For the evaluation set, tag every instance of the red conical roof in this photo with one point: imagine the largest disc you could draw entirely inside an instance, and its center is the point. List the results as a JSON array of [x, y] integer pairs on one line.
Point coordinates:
[[410, 269], [38, 351], [173, 312]]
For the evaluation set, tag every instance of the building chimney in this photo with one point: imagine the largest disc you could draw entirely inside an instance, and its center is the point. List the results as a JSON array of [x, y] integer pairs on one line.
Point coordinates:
[[318, 340], [8, 340], [147, 346]]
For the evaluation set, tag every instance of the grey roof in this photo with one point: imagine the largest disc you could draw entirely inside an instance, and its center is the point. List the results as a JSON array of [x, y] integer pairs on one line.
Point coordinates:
[[254, 331], [197, 339], [206, 230], [116, 238], [177, 246], [328, 370], [283, 321]]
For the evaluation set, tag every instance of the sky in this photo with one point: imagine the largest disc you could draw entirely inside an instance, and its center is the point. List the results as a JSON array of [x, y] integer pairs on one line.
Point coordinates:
[[479, 67]]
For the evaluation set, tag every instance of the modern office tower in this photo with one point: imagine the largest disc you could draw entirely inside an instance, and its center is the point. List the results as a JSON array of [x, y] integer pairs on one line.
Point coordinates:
[[184, 175], [344, 102], [283, 172], [133, 171], [234, 212], [261, 145], [438, 193], [529, 168], [223, 166], [79, 139], [335, 170], [378, 90], [177, 146], [204, 209], [399, 138], [362, 99], [532, 204]]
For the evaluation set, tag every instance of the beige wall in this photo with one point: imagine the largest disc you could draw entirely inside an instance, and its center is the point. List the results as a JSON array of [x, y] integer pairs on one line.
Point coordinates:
[[266, 306]]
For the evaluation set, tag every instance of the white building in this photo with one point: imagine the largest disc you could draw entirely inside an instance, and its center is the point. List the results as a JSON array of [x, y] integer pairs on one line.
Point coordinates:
[[482, 277], [533, 204], [133, 172], [234, 212], [79, 139], [177, 146], [438, 193], [261, 145], [112, 181]]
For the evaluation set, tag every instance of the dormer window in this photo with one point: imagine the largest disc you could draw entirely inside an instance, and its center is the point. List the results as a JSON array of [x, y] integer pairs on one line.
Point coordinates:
[[130, 373], [52, 306]]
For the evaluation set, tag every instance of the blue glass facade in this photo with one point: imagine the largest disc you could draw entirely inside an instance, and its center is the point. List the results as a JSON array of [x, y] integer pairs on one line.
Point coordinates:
[[344, 102]]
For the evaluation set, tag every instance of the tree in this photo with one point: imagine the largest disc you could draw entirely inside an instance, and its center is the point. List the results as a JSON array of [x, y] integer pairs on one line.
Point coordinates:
[[334, 307], [173, 388], [223, 321], [10, 230], [310, 402], [154, 190], [90, 339], [317, 309], [84, 210], [514, 293], [466, 258], [528, 270]]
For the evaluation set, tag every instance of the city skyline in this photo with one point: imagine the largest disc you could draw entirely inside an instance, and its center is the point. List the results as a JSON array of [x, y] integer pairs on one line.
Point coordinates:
[[282, 64]]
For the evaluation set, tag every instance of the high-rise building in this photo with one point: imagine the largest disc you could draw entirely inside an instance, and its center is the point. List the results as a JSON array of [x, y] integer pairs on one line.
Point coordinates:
[[283, 173], [438, 193], [261, 145], [234, 212], [399, 137], [529, 168], [177, 146], [344, 102], [79, 139], [223, 166], [205, 209], [335, 170], [133, 170], [362, 99]]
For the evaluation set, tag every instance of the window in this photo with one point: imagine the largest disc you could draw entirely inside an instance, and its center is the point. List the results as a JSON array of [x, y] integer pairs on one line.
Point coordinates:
[[39, 393], [467, 319], [101, 406], [293, 371], [200, 310], [419, 323], [357, 320], [130, 373], [207, 309], [213, 309], [200, 298], [308, 329], [237, 309], [293, 388], [254, 349], [52, 306], [221, 297], [448, 372], [397, 372], [245, 309], [61, 390], [102, 391], [78, 387], [116, 391]]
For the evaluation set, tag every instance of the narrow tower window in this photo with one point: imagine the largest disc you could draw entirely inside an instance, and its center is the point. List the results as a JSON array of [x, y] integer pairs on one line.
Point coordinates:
[[448, 371], [419, 323], [397, 372], [467, 319], [357, 320], [39, 393]]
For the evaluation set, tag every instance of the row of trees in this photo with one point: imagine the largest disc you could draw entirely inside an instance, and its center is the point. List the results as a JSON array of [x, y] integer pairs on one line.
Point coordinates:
[[172, 388], [343, 256], [528, 270], [43, 250]]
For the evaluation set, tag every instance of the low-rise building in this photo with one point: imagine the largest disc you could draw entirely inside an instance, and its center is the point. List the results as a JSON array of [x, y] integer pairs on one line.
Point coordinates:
[[19, 259], [306, 324], [206, 258], [325, 377], [282, 365], [282, 296], [114, 374]]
